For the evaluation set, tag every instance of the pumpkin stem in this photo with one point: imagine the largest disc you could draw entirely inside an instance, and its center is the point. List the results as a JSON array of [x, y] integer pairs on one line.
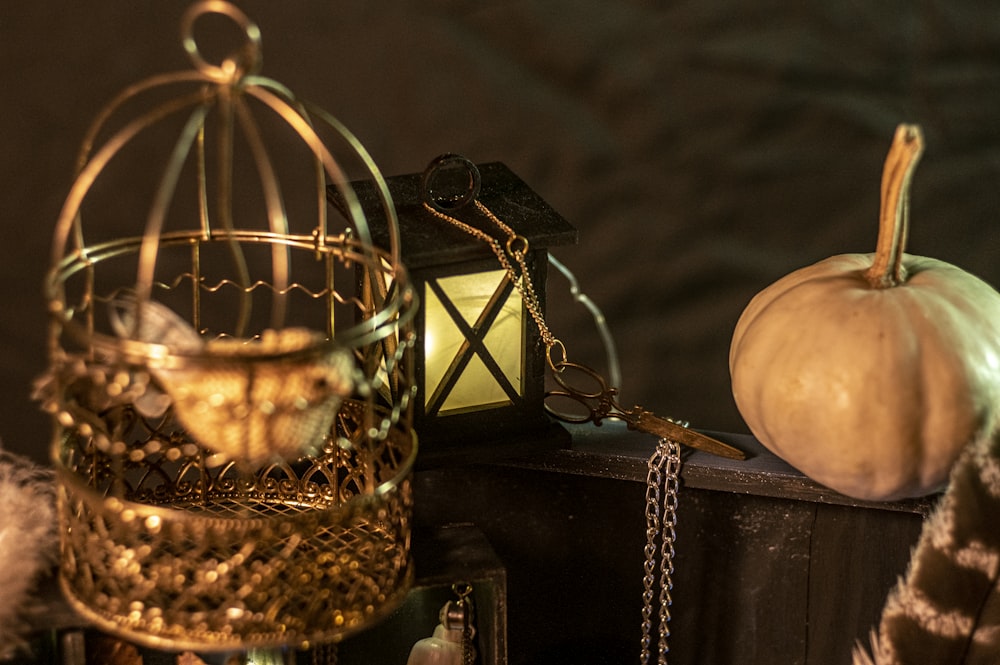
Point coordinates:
[[887, 269]]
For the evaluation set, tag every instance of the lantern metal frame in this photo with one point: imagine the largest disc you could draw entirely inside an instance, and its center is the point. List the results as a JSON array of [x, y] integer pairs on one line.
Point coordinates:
[[433, 250]]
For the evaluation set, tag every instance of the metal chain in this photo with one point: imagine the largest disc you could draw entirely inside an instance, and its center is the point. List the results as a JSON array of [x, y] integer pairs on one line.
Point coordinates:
[[468, 650], [464, 592], [662, 489], [654, 480], [515, 247]]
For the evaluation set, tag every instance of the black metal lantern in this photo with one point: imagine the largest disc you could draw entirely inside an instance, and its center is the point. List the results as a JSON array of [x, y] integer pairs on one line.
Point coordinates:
[[480, 361]]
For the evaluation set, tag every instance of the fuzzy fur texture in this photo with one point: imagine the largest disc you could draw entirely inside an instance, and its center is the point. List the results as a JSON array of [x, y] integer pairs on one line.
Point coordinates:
[[946, 611], [28, 538]]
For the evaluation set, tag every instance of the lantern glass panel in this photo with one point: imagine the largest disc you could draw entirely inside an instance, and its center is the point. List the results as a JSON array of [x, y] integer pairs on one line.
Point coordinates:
[[446, 345]]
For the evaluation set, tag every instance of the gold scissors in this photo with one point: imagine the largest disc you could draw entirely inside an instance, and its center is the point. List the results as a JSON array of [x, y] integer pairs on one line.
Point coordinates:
[[598, 400]]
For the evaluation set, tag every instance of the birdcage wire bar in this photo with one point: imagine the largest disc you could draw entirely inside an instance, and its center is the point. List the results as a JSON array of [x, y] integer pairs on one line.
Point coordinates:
[[180, 536]]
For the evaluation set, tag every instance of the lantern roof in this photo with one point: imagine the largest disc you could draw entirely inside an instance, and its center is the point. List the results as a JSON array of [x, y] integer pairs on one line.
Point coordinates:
[[426, 241]]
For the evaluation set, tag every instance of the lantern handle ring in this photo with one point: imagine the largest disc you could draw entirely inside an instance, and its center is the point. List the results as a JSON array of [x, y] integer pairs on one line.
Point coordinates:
[[460, 197]]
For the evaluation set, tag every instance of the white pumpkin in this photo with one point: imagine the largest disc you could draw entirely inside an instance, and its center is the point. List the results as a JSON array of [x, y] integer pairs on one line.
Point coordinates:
[[870, 372]]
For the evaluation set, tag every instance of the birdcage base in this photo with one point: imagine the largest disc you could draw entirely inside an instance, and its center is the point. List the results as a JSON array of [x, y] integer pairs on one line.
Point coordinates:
[[177, 556]]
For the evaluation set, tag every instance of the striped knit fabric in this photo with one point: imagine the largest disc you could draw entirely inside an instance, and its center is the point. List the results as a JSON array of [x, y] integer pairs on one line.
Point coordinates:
[[947, 609]]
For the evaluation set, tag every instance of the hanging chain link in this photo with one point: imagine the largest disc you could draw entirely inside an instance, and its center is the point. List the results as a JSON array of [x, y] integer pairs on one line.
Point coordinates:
[[654, 481], [465, 606], [662, 490], [515, 247]]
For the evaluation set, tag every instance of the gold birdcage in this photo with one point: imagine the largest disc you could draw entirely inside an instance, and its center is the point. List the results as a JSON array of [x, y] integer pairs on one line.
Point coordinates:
[[230, 377]]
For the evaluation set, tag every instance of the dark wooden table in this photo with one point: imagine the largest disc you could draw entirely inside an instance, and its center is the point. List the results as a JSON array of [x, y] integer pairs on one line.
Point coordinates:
[[770, 567]]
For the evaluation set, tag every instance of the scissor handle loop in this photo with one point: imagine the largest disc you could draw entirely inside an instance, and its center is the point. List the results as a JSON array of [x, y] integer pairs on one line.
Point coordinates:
[[602, 389], [587, 416]]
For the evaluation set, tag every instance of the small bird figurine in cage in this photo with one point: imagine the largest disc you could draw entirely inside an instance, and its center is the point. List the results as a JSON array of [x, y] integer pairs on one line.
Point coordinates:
[[281, 408]]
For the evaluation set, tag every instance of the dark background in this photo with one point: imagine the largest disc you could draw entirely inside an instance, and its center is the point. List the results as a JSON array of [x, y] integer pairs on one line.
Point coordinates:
[[702, 148]]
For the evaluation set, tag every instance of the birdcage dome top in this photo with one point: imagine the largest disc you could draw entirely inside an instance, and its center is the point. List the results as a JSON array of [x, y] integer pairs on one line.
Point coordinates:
[[214, 180]]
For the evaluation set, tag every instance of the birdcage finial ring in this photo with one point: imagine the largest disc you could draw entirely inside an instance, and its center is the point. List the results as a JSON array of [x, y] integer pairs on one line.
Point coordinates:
[[246, 60]]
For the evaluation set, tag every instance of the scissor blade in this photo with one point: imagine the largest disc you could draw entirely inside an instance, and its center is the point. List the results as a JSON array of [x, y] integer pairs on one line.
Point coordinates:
[[650, 423]]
